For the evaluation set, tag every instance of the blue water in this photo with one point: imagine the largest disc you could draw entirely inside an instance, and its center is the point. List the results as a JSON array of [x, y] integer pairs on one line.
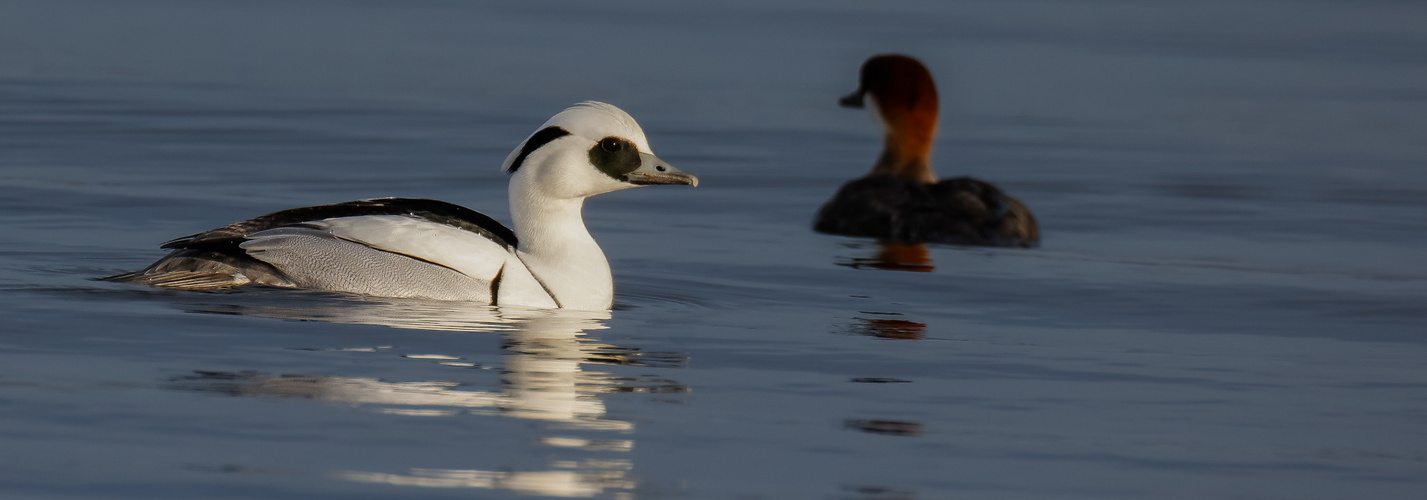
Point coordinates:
[[1230, 300]]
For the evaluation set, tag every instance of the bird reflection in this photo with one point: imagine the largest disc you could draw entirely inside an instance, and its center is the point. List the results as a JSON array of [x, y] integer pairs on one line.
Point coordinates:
[[885, 426], [875, 492], [894, 256], [890, 328], [543, 378]]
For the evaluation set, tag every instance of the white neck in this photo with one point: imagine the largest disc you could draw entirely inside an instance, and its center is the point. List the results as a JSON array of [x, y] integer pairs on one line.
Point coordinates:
[[558, 249]]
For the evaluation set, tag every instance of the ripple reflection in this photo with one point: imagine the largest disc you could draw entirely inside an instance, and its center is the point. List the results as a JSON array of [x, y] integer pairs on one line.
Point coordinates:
[[889, 328], [543, 378], [885, 426], [892, 256]]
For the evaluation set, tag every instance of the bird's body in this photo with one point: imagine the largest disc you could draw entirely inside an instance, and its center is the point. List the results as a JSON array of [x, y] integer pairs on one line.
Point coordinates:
[[402, 247], [901, 198], [957, 211]]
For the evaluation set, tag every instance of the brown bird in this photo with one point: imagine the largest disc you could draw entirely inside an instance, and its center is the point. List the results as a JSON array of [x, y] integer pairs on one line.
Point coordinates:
[[901, 199]]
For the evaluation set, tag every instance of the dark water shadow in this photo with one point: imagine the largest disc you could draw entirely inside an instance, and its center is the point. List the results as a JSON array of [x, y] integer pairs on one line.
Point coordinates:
[[889, 427]]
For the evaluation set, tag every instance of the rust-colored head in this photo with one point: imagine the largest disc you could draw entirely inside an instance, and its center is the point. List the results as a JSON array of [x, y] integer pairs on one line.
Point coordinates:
[[899, 91]]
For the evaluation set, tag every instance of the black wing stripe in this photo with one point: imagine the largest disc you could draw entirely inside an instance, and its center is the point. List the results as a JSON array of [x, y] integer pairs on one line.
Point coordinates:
[[495, 285], [545, 287], [228, 237], [407, 255]]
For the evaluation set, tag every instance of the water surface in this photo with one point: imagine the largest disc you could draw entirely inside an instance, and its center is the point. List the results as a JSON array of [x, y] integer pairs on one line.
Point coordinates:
[[1229, 301]]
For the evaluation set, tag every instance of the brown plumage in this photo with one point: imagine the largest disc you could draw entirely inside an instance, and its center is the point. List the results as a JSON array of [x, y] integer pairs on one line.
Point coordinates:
[[901, 199]]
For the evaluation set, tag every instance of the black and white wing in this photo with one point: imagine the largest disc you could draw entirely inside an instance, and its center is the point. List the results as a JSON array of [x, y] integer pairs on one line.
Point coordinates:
[[391, 247]]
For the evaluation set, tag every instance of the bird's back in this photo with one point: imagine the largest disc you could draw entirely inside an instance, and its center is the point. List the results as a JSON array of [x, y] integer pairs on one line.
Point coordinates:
[[958, 211]]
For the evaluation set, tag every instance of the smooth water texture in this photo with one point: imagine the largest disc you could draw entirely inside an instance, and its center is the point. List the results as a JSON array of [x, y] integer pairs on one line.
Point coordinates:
[[1230, 300]]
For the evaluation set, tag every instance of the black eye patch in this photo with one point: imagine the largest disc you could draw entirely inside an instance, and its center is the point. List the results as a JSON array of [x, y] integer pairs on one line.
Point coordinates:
[[615, 156]]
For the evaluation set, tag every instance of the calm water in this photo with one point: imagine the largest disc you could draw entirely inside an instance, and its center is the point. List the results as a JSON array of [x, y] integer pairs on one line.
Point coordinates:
[[1230, 302]]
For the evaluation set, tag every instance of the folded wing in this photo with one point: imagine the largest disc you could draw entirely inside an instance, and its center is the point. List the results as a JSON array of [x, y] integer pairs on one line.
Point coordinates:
[[392, 247]]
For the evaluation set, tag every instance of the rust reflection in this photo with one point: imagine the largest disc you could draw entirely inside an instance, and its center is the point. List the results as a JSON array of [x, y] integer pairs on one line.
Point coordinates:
[[894, 256]]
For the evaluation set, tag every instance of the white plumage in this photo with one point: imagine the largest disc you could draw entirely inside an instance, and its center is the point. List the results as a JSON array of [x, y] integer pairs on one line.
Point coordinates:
[[397, 247]]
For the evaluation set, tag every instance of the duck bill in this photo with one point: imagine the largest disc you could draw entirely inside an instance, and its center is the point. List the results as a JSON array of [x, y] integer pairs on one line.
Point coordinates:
[[853, 100], [654, 171]]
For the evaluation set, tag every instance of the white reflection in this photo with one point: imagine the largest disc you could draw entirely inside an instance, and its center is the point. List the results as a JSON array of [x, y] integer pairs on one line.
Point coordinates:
[[569, 484], [542, 378], [413, 314]]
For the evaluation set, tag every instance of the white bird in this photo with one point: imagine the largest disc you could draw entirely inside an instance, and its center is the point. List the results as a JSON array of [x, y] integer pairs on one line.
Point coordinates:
[[403, 247]]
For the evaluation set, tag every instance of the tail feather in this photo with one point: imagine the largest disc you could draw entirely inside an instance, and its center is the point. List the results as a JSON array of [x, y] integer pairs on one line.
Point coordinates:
[[201, 270], [182, 280]]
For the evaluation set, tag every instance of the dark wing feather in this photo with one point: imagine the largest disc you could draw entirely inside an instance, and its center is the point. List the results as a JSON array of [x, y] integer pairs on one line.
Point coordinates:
[[959, 211], [204, 270], [874, 207], [213, 259], [994, 217], [231, 235]]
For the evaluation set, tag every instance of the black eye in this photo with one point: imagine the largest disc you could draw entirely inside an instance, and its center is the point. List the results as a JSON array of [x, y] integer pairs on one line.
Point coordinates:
[[611, 144]]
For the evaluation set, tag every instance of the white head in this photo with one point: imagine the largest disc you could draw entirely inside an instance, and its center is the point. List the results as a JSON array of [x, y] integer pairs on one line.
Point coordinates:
[[588, 149]]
